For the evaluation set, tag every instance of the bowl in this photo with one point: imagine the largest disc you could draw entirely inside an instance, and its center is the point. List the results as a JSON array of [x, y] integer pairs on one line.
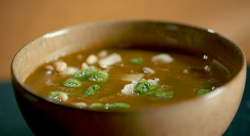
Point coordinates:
[[207, 115]]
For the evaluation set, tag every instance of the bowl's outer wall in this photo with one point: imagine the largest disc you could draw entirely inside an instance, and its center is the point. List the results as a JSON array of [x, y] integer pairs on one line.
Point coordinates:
[[198, 116]]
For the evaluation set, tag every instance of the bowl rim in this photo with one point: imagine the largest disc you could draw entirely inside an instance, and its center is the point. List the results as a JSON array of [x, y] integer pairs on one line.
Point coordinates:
[[219, 91]]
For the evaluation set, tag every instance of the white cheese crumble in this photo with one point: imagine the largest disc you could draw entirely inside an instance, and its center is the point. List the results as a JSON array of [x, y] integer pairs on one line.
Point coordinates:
[[129, 88], [153, 82], [166, 58], [92, 59], [80, 104], [69, 71], [110, 60]]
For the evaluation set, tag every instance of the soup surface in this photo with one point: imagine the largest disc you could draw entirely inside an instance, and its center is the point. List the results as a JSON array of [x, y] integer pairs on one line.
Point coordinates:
[[120, 79]]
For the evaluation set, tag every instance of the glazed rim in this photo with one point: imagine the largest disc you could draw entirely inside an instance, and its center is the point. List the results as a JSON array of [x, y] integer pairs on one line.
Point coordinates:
[[218, 91]]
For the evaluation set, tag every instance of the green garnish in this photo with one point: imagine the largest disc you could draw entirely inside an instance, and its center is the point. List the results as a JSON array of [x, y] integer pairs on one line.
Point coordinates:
[[137, 61], [72, 83], [144, 87], [89, 72], [55, 94], [91, 90], [79, 75], [86, 73], [164, 95], [94, 75], [116, 105], [203, 91], [96, 105], [100, 76]]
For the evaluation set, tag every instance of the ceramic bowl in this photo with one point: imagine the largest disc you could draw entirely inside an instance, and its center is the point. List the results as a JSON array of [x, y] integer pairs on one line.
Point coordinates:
[[208, 115]]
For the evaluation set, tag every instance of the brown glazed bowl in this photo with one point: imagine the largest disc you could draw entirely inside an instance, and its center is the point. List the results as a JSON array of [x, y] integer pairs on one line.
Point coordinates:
[[208, 115]]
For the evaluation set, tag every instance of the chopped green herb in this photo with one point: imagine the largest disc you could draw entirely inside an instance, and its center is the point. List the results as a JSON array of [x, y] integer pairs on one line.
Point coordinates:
[[89, 72], [79, 75], [116, 105], [154, 86], [164, 95], [203, 91], [144, 87], [72, 83], [55, 94], [94, 75], [91, 90], [100, 76], [96, 105], [85, 74], [137, 60]]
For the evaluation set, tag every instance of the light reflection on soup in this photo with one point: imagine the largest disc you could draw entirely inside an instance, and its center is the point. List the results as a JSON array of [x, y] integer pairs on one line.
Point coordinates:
[[119, 79]]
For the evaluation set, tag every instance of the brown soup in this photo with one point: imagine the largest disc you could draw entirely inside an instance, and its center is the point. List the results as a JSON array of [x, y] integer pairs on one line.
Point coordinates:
[[119, 79]]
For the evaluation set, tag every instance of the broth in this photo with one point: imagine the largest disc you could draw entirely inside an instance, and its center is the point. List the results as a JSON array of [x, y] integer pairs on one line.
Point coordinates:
[[169, 78]]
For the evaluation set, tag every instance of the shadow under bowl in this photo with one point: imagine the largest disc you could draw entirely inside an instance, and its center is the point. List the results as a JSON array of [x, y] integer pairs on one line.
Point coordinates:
[[207, 115]]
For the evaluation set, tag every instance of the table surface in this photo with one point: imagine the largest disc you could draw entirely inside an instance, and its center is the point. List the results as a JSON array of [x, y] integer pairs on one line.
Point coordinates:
[[13, 124], [25, 20]]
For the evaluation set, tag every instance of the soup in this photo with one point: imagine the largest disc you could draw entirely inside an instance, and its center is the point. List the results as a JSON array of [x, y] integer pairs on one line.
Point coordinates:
[[120, 79]]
